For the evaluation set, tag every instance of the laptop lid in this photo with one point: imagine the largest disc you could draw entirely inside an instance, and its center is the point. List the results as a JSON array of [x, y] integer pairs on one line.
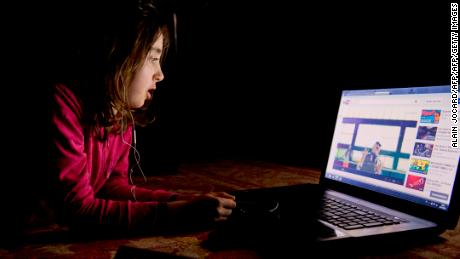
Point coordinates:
[[397, 146]]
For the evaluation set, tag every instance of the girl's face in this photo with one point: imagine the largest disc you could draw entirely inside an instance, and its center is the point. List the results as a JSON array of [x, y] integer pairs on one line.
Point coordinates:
[[146, 77]]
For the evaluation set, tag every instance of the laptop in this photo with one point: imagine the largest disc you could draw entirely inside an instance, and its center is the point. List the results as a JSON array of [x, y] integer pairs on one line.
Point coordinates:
[[392, 169]]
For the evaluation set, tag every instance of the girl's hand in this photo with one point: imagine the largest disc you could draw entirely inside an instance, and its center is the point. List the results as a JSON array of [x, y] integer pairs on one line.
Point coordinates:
[[201, 209]]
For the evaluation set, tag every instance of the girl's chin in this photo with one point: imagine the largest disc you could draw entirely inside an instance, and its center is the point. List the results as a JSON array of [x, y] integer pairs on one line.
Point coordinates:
[[137, 105]]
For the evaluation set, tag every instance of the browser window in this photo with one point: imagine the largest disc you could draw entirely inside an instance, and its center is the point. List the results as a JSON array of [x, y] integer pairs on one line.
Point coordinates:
[[397, 142]]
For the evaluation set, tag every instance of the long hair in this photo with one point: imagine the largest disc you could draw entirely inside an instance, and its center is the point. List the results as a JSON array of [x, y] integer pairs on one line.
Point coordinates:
[[118, 39]]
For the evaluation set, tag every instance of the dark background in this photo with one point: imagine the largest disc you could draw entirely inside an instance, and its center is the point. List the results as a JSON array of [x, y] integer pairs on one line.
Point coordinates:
[[248, 80], [263, 80]]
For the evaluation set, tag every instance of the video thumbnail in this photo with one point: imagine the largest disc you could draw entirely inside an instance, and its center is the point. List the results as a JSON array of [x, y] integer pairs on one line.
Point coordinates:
[[426, 132], [430, 116], [416, 182], [419, 166], [423, 149]]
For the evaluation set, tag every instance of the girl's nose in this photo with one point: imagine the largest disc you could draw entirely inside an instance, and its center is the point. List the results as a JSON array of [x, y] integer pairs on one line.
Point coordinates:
[[159, 76]]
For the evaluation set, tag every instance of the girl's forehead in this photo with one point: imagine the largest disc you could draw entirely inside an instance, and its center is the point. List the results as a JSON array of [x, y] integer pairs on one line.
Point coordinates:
[[157, 46]]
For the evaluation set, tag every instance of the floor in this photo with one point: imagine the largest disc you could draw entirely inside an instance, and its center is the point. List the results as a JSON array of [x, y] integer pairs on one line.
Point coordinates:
[[224, 175]]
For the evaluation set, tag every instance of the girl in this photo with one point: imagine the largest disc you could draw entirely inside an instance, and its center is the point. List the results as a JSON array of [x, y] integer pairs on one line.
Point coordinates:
[[93, 118]]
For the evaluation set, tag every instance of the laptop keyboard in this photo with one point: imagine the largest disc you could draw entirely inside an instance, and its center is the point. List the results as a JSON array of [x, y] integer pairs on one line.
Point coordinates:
[[350, 216]]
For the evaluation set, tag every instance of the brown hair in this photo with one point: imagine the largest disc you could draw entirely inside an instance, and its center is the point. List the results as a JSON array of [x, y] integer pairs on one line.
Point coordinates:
[[120, 78], [129, 31]]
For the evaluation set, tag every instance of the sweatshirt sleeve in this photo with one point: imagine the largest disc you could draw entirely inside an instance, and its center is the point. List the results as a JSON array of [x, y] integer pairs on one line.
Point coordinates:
[[118, 187], [69, 167]]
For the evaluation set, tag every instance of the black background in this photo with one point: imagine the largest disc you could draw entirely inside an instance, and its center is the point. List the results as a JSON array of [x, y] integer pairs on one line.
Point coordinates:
[[263, 80], [248, 80]]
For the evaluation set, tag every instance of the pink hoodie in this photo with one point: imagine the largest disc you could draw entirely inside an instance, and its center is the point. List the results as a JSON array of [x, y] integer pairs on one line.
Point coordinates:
[[92, 175]]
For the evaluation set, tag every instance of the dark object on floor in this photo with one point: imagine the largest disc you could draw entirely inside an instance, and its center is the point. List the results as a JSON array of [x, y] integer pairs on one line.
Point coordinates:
[[125, 252], [271, 218]]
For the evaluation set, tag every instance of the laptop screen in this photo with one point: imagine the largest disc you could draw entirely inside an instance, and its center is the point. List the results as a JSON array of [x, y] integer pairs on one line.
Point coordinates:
[[397, 142]]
